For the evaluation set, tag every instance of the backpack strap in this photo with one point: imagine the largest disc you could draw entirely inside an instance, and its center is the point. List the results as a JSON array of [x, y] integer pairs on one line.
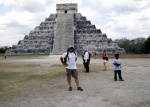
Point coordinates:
[[89, 56], [65, 59], [74, 53]]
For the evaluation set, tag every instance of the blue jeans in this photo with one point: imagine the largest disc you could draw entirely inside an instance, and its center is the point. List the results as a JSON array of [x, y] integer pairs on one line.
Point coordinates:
[[119, 74], [86, 65]]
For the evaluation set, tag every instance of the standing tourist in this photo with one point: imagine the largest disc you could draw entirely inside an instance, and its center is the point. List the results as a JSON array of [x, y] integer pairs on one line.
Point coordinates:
[[104, 56], [94, 54], [117, 68], [86, 60], [69, 59], [5, 56]]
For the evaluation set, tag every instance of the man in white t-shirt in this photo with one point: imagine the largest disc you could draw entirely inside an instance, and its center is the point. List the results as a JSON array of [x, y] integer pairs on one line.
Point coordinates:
[[69, 59], [117, 68], [86, 59]]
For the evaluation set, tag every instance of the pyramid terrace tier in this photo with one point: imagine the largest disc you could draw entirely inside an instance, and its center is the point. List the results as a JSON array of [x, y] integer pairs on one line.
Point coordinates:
[[38, 37], [41, 33], [86, 27], [88, 31]]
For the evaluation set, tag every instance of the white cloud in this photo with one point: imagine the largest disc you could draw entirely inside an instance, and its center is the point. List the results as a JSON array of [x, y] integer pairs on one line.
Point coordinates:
[[123, 18], [14, 26], [7, 2], [24, 18]]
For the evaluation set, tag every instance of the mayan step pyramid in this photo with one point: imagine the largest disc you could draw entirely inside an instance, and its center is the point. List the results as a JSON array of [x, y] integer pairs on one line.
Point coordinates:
[[59, 31]]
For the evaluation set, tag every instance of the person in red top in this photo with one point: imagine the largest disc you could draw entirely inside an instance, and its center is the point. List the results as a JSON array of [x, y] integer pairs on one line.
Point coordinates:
[[104, 55]]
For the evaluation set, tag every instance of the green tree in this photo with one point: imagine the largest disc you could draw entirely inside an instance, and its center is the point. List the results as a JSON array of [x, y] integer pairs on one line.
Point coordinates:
[[135, 46], [138, 45], [124, 43], [3, 49]]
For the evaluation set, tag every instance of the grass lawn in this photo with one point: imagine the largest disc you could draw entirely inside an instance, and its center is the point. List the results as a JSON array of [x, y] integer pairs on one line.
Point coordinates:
[[124, 56], [21, 56], [16, 78]]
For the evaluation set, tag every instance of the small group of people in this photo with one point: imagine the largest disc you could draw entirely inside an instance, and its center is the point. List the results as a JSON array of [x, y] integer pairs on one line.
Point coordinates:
[[69, 58], [116, 63], [86, 56]]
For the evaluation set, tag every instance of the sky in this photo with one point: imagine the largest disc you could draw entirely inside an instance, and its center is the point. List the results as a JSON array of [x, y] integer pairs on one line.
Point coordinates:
[[117, 18]]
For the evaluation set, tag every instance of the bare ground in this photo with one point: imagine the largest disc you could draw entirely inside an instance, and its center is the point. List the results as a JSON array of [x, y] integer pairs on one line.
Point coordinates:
[[99, 88]]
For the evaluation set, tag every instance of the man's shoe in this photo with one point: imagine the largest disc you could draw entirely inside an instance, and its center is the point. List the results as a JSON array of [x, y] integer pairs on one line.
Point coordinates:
[[115, 80], [70, 88], [122, 80], [80, 89]]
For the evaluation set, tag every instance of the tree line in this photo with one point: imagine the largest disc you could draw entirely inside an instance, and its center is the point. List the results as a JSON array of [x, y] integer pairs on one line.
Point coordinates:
[[135, 46], [3, 49]]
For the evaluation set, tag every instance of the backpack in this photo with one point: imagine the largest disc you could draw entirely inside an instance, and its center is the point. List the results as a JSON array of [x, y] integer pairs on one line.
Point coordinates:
[[89, 56], [65, 59]]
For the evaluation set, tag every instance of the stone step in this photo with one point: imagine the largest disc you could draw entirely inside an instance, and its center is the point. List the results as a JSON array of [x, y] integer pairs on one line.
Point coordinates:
[[64, 33]]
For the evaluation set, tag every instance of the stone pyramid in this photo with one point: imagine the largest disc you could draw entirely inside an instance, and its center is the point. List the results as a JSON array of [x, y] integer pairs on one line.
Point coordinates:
[[59, 31]]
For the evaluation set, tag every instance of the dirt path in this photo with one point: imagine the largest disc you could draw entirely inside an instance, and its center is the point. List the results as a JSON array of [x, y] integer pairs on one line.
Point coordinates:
[[99, 88]]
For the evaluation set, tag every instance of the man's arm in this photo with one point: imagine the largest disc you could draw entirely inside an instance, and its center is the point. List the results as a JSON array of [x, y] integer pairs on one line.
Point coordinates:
[[62, 61]]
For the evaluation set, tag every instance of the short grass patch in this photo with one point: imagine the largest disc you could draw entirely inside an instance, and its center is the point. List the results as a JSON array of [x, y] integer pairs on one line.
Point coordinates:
[[15, 79], [92, 68], [21, 56], [99, 56]]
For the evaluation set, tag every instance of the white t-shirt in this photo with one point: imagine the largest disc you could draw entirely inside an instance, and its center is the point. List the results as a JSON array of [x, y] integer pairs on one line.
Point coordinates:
[[86, 56], [117, 61], [71, 60]]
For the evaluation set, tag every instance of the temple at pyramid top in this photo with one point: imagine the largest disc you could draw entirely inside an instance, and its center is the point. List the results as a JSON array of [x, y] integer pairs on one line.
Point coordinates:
[[67, 8], [60, 30]]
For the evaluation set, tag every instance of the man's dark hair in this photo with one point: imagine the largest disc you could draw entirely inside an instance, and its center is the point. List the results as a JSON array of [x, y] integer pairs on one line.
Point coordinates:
[[116, 55]]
